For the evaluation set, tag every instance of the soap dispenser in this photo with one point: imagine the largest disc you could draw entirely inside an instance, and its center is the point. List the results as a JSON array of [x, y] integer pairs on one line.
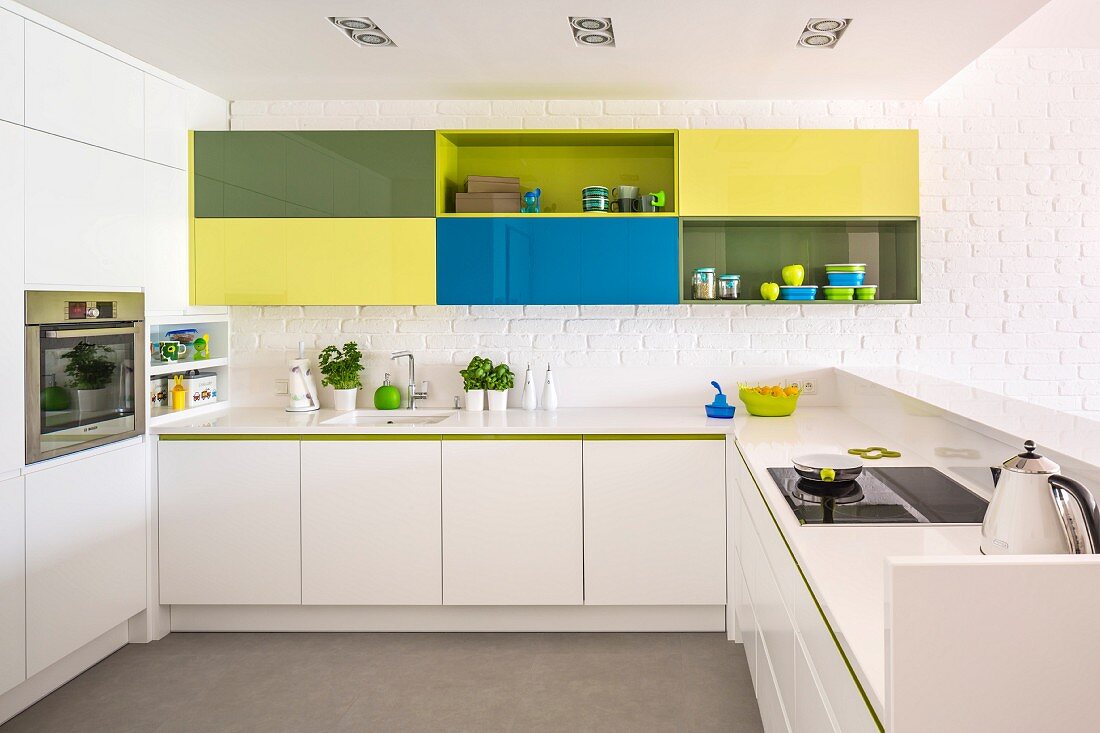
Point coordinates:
[[530, 399], [549, 394], [387, 397]]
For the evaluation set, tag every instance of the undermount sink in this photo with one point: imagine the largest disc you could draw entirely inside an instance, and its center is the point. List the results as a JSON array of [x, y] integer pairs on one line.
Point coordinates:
[[375, 419]]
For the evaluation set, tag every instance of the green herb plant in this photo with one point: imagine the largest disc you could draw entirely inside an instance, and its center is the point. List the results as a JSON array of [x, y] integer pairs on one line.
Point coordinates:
[[500, 378], [475, 375], [87, 367], [340, 369]]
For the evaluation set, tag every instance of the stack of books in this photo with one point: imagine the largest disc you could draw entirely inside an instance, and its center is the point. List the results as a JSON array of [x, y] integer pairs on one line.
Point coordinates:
[[489, 195]]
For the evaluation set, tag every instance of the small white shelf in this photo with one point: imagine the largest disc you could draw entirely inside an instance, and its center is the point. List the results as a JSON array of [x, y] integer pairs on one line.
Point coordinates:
[[175, 367], [162, 415], [169, 319]]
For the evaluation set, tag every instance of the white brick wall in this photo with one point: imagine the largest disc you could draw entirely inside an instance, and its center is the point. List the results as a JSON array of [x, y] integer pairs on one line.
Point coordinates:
[[1010, 205]]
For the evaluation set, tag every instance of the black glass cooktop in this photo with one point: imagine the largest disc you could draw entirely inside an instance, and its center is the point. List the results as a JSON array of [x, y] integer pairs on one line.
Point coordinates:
[[907, 495]]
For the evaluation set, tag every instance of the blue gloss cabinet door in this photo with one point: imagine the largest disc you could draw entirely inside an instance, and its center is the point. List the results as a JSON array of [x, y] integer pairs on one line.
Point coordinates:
[[557, 261]]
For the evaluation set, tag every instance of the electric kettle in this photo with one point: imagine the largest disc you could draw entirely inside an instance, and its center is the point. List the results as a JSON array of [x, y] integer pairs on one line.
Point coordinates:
[[1035, 511]]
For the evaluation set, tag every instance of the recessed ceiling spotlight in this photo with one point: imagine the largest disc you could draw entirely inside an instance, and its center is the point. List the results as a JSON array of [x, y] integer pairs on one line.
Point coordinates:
[[589, 31], [362, 31], [823, 32]]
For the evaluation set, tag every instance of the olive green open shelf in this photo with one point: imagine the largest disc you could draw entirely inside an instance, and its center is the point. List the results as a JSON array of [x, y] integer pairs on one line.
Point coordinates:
[[560, 162], [757, 249]]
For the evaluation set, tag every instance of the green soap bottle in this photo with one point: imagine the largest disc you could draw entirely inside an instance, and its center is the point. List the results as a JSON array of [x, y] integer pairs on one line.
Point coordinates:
[[387, 397]]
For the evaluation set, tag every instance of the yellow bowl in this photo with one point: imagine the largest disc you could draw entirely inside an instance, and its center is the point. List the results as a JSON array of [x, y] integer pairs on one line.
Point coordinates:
[[763, 405]]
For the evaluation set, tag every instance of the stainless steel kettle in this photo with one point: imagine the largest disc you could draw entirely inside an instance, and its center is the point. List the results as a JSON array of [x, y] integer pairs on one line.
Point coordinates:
[[1035, 511]]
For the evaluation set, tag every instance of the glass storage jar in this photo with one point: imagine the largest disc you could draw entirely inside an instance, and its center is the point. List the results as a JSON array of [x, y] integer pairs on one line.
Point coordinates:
[[704, 284], [729, 287]]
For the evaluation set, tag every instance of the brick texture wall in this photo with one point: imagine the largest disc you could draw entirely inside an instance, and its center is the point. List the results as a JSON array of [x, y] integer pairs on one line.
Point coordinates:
[[1010, 207]]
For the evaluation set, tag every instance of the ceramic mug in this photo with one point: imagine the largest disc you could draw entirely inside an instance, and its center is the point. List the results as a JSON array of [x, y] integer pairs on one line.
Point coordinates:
[[171, 350], [624, 192], [624, 205], [647, 203]]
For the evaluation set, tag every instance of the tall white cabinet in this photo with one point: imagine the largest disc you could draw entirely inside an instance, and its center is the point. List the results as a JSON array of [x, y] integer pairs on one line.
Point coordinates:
[[13, 584], [11, 67], [85, 524], [371, 522], [11, 294], [512, 522]]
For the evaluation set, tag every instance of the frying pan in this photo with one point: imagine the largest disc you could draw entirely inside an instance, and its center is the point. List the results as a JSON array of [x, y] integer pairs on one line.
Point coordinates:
[[828, 467]]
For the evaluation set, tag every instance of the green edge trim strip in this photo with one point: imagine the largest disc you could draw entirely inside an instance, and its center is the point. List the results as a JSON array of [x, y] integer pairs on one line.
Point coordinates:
[[295, 436], [369, 436], [506, 436], [651, 436], [836, 641], [227, 436]]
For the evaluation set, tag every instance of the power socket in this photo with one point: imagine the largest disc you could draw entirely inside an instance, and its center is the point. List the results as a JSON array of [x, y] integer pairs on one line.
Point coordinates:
[[809, 386], [795, 383]]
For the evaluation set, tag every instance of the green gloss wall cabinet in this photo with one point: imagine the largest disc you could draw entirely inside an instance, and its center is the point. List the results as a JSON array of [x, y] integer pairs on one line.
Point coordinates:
[[556, 261], [349, 174]]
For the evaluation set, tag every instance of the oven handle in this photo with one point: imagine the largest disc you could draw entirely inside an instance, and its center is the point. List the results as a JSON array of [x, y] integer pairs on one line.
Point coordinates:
[[88, 332]]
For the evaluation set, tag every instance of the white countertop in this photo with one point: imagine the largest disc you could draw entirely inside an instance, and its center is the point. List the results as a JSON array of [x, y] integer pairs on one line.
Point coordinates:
[[845, 564], [574, 420]]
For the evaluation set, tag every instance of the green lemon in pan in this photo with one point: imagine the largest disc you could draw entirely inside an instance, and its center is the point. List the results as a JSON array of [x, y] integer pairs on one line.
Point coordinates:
[[828, 474]]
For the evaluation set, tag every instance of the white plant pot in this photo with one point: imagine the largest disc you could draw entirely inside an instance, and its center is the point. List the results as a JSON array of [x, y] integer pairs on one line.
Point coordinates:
[[91, 400], [475, 400], [498, 400], [345, 399]]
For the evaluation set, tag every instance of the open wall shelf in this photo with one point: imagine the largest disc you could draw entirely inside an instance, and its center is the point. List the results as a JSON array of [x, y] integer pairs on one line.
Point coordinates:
[[560, 162], [757, 249]]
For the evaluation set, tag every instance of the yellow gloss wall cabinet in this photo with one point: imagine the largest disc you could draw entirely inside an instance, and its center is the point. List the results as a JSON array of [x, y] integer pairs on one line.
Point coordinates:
[[866, 173], [313, 261]]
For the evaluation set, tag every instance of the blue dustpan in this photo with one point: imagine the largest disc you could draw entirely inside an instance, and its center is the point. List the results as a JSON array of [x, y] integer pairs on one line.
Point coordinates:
[[719, 408]]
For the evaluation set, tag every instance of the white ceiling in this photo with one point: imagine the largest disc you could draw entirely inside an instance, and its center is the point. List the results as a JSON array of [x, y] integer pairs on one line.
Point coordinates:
[[494, 49], [1061, 24]]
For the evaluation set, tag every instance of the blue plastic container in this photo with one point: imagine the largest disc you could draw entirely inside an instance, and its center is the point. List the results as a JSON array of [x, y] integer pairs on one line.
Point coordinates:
[[719, 408], [846, 279], [797, 292]]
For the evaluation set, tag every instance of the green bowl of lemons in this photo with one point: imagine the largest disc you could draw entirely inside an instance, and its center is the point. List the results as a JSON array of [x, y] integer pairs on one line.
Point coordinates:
[[768, 401]]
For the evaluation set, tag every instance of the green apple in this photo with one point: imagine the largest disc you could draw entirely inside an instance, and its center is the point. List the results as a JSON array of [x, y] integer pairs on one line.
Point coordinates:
[[794, 274], [769, 291]]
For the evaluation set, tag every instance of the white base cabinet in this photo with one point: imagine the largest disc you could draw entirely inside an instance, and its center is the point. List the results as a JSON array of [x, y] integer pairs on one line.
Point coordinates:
[[13, 586], [654, 521], [802, 681], [371, 522], [230, 521], [85, 544], [512, 524]]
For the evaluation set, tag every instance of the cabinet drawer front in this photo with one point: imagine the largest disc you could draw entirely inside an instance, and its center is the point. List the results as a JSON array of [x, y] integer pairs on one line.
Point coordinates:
[[556, 261], [322, 174], [230, 522], [799, 173], [512, 522], [371, 523], [654, 534], [314, 261]]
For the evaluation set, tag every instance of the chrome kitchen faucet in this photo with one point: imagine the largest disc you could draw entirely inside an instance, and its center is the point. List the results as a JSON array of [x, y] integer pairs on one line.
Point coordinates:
[[414, 393]]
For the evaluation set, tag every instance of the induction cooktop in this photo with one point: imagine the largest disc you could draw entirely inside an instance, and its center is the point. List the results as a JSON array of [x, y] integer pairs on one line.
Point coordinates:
[[903, 495]]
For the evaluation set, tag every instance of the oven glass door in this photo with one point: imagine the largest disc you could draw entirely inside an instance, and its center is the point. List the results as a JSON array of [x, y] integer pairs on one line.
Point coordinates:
[[86, 388]]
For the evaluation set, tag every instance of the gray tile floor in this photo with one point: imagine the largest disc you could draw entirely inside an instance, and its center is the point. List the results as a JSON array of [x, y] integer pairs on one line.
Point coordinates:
[[232, 683]]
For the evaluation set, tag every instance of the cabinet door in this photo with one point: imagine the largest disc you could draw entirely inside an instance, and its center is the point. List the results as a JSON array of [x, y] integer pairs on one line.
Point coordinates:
[[353, 174], [240, 262], [165, 238], [654, 522], [13, 589], [77, 92], [84, 214], [811, 713], [371, 522], [630, 261], [11, 67], [85, 551], [165, 123], [798, 173], [230, 522], [512, 522], [12, 446]]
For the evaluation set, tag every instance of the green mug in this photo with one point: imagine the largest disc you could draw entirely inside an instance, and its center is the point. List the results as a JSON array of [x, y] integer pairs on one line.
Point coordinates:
[[172, 350]]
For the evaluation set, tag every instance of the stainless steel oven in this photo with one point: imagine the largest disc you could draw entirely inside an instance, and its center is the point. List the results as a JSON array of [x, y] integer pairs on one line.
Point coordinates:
[[85, 370]]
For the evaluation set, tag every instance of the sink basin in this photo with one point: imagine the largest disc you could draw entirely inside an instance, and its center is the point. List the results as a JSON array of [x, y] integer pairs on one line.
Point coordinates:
[[375, 419]]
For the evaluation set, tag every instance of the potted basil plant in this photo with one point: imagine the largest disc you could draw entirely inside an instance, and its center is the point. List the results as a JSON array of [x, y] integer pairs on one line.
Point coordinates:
[[340, 370], [89, 372], [500, 380], [473, 382]]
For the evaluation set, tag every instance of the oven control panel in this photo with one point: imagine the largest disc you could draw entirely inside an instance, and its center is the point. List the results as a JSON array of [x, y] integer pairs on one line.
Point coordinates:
[[80, 310]]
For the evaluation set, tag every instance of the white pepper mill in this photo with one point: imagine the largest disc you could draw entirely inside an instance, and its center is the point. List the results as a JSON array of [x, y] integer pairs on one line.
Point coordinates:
[[549, 394]]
